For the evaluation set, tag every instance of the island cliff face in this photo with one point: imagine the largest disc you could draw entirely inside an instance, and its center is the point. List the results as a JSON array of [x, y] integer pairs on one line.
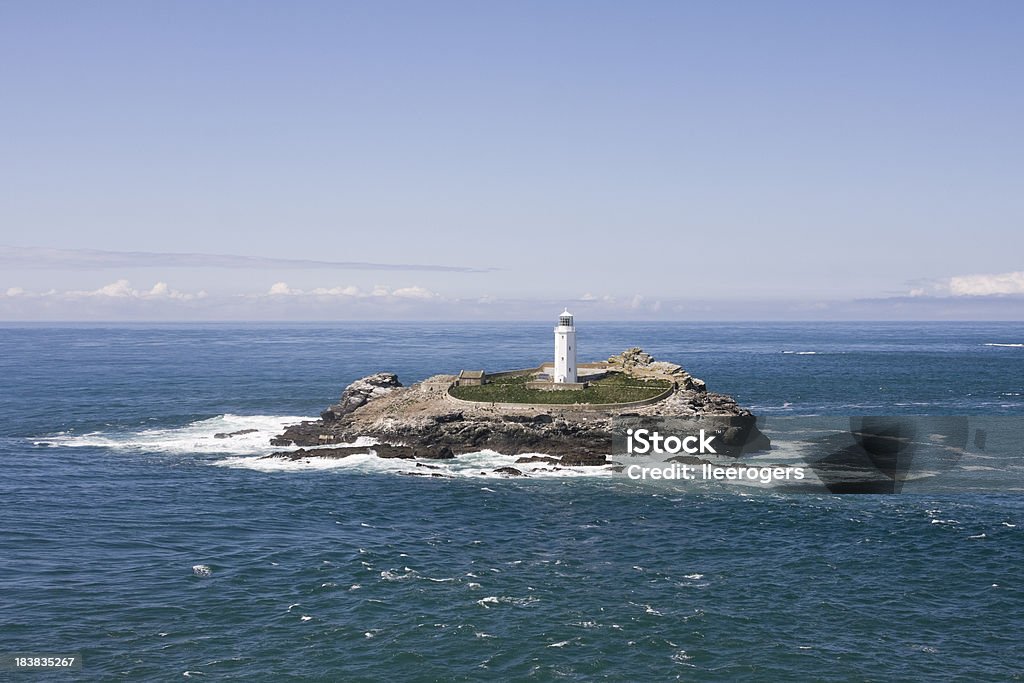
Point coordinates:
[[424, 421]]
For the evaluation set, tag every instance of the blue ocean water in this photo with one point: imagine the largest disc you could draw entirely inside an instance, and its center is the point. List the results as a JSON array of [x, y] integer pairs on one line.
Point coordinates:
[[132, 536]]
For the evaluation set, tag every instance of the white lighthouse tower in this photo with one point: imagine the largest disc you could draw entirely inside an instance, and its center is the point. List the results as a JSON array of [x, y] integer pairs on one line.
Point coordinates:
[[565, 350]]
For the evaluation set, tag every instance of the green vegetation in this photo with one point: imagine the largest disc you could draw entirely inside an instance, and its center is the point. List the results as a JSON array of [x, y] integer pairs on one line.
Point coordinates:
[[617, 387]]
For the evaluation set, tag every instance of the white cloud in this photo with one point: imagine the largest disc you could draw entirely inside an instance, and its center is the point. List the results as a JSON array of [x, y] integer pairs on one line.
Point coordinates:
[[413, 293], [982, 285], [992, 284], [119, 289], [122, 289], [337, 291], [351, 291]]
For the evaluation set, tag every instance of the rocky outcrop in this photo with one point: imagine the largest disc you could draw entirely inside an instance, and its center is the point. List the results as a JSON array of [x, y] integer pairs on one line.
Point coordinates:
[[228, 435], [361, 392], [637, 361], [584, 459], [631, 358], [380, 450], [421, 422], [537, 458]]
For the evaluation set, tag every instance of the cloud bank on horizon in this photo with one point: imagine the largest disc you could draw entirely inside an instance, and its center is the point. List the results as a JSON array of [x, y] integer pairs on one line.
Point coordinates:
[[990, 297]]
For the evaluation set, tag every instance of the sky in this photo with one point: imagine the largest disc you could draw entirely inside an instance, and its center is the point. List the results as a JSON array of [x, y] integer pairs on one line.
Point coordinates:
[[448, 160]]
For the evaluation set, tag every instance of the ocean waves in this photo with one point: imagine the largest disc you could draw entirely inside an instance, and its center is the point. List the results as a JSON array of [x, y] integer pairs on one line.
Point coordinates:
[[479, 465], [223, 434], [243, 442]]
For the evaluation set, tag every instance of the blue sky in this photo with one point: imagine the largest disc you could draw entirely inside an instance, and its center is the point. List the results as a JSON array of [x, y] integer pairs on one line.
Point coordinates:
[[447, 160]]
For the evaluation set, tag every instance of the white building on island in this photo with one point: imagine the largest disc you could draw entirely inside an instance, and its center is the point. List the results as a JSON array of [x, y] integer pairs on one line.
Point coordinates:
[[565, 350]]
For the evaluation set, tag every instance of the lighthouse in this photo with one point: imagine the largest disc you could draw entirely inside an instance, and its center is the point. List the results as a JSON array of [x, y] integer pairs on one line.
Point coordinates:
[[565, 350]]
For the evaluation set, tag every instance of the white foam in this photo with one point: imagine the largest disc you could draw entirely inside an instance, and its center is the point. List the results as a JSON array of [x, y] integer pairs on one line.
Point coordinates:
[[801, 353], [247, 451], [195, 437], [478, 465], [359, 461], [506, 600], [1009, 346], [387, 575]]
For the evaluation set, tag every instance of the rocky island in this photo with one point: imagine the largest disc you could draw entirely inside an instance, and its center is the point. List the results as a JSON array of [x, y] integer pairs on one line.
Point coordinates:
[[518, 413]]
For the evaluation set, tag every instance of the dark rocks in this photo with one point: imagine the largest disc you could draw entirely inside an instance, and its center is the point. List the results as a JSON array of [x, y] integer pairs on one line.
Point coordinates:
[[381, 450], [410, 452], [688, 460], [509, 471], [694, 384], [537, 458], [584, 459], [539, 419], [361, 392], [318, 453], [228, 435], [281, 442]]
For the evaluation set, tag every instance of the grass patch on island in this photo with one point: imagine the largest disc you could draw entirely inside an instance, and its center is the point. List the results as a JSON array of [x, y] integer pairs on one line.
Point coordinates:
[[617, 387]]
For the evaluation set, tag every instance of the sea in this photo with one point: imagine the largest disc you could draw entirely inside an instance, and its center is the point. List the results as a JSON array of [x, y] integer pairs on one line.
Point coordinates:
[[136, 541]]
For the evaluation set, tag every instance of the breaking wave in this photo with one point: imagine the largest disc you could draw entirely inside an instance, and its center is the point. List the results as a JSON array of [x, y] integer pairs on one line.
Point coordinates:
[[243, 441], [479, 465], [239, 435]]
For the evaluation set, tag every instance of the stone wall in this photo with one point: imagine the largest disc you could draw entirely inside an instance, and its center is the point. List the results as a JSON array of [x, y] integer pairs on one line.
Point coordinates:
[[563, 406]]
